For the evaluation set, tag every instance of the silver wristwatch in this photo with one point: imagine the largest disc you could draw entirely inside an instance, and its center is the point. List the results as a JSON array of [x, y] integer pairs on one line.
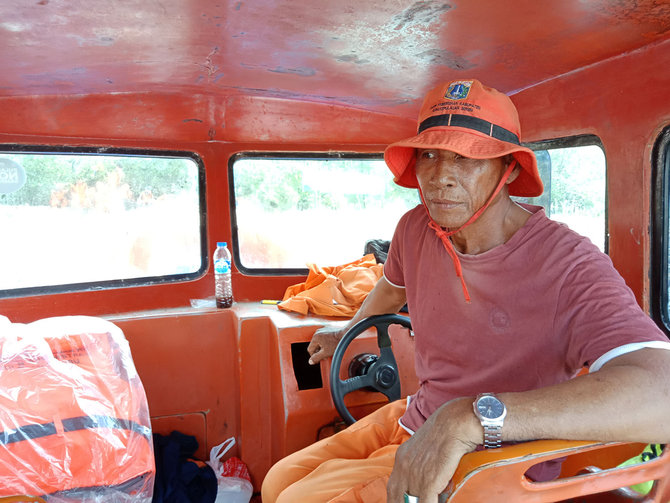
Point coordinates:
[[491, 412]]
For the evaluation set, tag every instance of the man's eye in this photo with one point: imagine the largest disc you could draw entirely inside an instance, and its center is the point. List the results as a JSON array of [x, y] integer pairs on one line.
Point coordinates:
[[427, 155]]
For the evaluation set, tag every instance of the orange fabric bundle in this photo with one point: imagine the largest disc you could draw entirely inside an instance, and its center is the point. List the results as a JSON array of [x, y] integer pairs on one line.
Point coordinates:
[[334, 291]]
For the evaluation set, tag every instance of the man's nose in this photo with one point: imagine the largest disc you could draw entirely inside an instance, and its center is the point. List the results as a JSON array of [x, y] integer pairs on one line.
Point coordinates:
[[445, 173]]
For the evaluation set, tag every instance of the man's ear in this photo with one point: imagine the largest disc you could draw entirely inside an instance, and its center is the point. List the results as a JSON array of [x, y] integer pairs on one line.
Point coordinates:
[[515, 172]]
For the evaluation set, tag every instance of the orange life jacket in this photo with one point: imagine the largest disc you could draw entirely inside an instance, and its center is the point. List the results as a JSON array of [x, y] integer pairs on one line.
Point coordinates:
[[74, 419], [334, 291]]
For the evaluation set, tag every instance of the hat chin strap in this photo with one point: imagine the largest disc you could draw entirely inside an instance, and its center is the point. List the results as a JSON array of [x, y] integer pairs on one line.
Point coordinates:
[[444, 235]]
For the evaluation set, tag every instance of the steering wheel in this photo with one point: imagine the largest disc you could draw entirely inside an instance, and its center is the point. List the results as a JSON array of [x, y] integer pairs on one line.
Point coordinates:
[[378, 373]]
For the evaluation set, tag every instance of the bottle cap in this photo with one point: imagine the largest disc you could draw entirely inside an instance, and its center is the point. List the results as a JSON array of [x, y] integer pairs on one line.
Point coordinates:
[[221, 244]]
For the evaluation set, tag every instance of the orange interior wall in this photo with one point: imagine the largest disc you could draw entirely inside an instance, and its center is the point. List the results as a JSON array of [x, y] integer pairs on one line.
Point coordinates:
[[625, 102]]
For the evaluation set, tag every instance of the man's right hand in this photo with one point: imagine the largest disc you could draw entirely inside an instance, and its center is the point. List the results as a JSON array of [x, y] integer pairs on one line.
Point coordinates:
[[323, 344]]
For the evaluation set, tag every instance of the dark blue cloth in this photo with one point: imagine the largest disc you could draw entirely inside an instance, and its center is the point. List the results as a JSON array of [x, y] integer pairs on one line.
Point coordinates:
[[179, 480]]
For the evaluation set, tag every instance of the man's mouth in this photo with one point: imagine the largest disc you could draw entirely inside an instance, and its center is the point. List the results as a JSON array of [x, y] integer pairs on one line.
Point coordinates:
[[445, 204]]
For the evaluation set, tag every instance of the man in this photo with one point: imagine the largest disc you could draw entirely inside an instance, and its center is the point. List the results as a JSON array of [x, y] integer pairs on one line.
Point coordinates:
[[506, 305]]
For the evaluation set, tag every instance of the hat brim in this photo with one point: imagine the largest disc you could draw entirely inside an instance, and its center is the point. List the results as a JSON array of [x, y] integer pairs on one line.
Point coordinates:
[[400, 157]]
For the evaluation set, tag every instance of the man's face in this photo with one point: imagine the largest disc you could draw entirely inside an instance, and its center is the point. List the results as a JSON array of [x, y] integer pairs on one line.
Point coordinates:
[[455, 187]]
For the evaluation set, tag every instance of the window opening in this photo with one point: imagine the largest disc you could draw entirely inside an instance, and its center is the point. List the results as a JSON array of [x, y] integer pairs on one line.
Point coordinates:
[[660, 232], [76, 220], [293, 210], [574, 173]]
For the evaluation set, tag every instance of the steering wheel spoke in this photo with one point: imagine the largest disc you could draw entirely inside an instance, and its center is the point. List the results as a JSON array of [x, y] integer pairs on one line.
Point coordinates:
[[357, 382], [381, 376], [387, 357]]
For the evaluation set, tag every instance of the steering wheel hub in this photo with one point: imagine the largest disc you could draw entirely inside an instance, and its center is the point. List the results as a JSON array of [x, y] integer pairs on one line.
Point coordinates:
[[386, 376]]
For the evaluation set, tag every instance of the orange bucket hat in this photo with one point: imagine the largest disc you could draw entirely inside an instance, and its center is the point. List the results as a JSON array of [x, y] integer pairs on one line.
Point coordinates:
[[473, 120]]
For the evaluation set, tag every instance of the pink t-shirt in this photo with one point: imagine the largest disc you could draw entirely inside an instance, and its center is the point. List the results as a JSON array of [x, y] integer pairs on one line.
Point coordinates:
[[544, 304]]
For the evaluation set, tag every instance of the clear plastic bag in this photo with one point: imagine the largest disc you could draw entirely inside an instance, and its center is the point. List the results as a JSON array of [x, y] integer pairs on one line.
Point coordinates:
[[74, 419], [232, 475]]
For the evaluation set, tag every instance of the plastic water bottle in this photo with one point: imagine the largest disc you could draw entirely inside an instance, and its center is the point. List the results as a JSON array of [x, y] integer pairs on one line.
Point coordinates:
[[223, 290]]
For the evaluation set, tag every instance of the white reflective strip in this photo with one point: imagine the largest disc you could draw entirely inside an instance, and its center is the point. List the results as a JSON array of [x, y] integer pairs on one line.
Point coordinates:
[[408, 430], [390, 282], [626, 348]]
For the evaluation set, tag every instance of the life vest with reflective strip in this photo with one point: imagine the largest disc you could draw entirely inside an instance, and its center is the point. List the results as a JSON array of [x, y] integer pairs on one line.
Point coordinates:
[[74, 417]]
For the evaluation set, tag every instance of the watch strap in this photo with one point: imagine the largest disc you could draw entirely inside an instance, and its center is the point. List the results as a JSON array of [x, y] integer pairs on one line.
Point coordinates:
[[492, 436]]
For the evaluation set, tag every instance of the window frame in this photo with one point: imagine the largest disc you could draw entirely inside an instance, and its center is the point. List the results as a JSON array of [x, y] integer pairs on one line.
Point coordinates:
[[578, 141], [266, 271], [128, 282], [660, 229]]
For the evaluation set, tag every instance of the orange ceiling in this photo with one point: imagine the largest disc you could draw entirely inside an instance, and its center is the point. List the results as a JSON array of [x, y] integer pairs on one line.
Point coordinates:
[[372, 54]]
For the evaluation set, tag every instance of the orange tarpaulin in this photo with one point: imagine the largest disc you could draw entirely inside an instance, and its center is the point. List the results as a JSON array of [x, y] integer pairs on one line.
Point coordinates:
[[334, 291]]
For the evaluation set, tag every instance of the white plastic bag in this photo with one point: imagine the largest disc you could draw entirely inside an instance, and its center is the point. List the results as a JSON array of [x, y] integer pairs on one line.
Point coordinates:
[[232, 476]]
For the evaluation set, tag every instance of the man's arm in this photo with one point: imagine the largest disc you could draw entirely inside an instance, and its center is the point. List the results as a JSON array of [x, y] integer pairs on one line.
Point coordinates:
[[627, 400], [384, 298]]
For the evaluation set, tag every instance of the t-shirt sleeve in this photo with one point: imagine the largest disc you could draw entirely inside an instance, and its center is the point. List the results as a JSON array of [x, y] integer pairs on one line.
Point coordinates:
[[393, 267], [599, 312]]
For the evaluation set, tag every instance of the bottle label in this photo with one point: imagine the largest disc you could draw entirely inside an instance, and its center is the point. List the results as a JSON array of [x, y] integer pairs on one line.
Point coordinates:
[[221, 266]]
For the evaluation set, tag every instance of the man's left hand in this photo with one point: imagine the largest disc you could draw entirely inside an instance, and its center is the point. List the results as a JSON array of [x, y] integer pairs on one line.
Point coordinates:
[[425, 463]]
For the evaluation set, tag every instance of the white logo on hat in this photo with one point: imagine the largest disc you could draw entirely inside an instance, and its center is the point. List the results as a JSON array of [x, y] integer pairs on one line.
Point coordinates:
[[458, 90]]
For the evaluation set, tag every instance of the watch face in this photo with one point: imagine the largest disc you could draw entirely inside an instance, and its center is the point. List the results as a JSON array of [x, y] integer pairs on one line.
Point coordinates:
[[490, 407]]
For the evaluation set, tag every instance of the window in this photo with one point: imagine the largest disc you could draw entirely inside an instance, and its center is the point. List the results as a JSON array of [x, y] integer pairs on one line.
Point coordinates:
[[575, 185], [80, 220], [660, 213], [293, 210]]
